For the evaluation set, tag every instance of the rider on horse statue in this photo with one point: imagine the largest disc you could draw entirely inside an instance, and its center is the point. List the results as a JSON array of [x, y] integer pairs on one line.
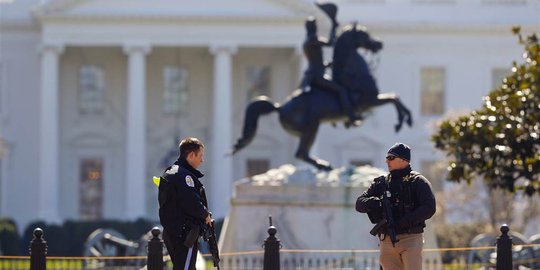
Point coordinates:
[[353, 89], [315, 75]]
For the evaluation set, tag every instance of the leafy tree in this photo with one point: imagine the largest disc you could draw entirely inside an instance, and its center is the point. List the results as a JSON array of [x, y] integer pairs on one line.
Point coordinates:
[[500, 142]]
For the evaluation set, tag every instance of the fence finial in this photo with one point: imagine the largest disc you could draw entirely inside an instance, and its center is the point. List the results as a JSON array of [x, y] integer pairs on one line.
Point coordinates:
[[155, 251], [271, 249], [504, 249], [38, 251]]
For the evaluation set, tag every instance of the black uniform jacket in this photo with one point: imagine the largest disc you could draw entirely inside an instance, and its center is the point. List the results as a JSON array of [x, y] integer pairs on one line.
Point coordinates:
[[413, 201], [180, 200]]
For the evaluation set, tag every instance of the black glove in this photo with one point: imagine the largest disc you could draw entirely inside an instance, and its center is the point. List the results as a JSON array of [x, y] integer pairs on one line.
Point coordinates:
[[374, 204]]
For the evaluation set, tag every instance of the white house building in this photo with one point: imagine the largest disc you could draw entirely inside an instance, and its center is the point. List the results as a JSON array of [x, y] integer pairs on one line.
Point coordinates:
[[95, 94]]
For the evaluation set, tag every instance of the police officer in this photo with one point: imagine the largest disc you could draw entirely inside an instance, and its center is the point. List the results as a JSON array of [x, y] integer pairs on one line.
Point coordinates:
[[182, 205], [412, 203]]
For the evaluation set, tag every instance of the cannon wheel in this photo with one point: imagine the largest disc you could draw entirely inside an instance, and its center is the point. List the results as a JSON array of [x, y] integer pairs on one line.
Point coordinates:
[[535, 239], [488, 258], [95, 246], [521, 256], [480, 256]]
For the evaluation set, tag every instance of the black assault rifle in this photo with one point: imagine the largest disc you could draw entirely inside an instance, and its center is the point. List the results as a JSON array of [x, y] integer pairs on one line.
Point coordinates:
[[209, 236], [387, 221]]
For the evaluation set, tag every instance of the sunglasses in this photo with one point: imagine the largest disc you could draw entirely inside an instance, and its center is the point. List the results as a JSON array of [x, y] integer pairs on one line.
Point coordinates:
[[391, 157]]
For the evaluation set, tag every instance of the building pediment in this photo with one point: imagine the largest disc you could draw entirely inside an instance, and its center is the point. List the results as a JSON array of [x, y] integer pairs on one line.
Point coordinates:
[[186, 9]]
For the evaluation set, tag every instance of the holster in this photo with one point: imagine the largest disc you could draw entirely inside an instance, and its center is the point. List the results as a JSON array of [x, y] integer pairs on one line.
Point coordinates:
[[192, 236]]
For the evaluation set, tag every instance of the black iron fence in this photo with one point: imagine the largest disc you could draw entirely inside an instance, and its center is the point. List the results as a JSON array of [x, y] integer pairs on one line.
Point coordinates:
[[502, 256]]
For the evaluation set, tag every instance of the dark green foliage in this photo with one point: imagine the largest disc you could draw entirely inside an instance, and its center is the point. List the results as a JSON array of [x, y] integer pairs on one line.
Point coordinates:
[[500, 141], [456, 235], [69, 239], [9, 238]]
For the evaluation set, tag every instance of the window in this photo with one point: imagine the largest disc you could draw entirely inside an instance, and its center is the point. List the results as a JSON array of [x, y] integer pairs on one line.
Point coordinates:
[[258, 82], [91, 89], [175, 92], [497, 76], [91, 189], [257, 166], [432, 90], [434, 171]]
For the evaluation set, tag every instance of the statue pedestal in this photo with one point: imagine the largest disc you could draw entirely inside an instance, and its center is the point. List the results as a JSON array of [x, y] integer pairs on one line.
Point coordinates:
[[311, 211]]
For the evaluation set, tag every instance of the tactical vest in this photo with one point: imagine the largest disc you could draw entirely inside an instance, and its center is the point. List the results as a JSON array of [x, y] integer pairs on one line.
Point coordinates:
[[403, 202]]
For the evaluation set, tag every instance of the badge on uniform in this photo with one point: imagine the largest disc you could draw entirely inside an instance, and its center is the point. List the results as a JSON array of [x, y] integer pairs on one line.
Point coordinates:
[[189, 181]]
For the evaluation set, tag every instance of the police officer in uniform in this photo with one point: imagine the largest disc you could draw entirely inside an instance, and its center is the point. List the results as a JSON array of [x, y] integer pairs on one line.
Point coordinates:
[[182, 205], [412, 202]]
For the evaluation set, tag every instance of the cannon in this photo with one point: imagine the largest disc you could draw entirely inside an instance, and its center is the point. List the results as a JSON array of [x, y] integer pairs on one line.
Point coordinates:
[[110, 243], [523, 257], [535, 239], [107, 243], [481, 256]]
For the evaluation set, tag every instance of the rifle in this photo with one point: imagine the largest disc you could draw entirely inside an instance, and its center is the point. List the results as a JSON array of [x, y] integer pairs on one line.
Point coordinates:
[[388, 216], [379, 227], [388, 219], [209, 236]]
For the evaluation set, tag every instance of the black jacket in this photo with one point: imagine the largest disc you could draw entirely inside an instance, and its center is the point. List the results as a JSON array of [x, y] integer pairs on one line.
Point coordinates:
[[412, 200], [181, 198]]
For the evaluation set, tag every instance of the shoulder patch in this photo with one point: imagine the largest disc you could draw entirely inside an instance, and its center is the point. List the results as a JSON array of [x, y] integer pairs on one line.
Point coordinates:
[[172, 170], [189, 181]]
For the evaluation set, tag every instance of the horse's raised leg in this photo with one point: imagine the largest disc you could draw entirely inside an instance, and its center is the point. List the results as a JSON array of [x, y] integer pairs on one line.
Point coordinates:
[[404, 110], [403, 113], [306, 141]]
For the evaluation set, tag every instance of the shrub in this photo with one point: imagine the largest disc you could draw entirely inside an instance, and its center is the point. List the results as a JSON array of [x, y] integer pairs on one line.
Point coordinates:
[[69, 239], [10, 243]]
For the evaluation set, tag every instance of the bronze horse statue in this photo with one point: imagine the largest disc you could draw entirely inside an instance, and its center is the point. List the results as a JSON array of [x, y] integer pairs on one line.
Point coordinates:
[[303, 112]]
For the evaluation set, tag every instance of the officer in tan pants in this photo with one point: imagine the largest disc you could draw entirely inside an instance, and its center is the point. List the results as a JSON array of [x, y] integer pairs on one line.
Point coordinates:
[[411, 199]]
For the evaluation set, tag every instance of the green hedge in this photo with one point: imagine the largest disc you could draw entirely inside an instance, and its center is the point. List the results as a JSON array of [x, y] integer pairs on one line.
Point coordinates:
[[10, 243], [68, 239]]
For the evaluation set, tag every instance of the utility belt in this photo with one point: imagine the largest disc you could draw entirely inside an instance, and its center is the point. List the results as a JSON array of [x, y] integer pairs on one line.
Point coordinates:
[[419, 228], [412, 230]]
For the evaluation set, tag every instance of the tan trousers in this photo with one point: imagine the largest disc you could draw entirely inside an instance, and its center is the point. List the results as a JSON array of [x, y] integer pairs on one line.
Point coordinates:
[[407, 255]]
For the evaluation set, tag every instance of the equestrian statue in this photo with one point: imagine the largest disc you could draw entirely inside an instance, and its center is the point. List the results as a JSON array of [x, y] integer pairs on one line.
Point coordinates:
[[352, 90]]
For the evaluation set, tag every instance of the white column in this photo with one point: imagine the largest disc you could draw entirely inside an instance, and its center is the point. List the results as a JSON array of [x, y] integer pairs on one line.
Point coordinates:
[[222, 175], [135, 198], [49, 134]]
